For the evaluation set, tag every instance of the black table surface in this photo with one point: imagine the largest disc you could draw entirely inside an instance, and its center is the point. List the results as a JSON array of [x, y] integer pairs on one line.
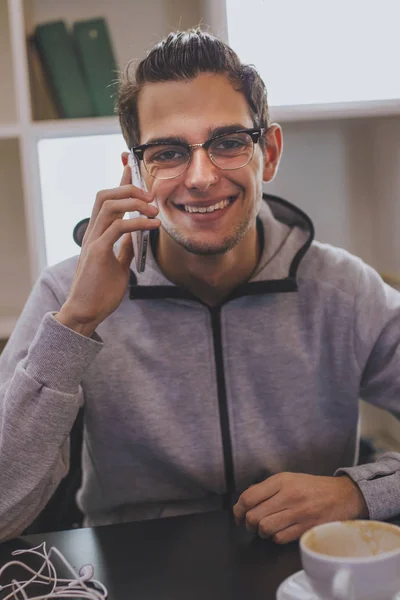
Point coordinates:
[[194, 557]]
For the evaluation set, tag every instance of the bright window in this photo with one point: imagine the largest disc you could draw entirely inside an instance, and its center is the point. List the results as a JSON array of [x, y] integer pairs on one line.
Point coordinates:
[[72, 171], [317, 52]]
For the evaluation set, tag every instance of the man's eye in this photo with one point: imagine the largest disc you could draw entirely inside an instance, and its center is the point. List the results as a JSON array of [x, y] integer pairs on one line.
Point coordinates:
[[166, 155], [229, 145]]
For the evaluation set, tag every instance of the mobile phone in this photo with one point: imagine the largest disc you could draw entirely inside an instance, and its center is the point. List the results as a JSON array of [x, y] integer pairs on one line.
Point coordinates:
[[140, 239]]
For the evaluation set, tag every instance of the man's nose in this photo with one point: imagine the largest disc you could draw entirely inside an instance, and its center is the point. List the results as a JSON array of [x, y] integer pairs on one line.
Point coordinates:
[[201, 172]]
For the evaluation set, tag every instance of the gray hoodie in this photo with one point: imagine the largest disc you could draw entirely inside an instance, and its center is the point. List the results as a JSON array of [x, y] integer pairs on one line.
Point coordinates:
[[186, 404]]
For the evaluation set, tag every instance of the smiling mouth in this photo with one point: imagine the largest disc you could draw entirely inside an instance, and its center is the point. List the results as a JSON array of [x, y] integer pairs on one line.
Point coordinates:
[[189, 208]]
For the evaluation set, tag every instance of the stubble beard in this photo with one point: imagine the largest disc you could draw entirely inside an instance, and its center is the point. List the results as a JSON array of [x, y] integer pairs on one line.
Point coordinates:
[[212, 249]]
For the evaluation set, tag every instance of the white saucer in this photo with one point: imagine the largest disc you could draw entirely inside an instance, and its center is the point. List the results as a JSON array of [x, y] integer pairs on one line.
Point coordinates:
[[296, 587]]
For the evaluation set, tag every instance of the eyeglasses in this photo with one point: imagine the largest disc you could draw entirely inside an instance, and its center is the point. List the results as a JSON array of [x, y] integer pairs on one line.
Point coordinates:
[[169, 159]]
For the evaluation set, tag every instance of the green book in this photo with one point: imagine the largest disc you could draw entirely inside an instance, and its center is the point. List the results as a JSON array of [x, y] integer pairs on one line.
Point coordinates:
[[43, 104], [55, 46], [96, 55]]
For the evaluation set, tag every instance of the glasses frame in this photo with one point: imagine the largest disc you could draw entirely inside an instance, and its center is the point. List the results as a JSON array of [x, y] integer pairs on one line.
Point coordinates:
[[255, 133]]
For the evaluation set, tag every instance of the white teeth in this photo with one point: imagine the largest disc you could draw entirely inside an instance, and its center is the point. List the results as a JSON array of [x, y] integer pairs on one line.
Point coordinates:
[[203, 209]]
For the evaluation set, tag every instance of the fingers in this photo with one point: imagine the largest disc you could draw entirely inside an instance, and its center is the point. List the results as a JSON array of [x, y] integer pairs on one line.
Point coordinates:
[[112, 210], [300, 501], [269, 526], [125, 190], [265, 509], [290, 534], [278, 525], [126, 178], [125, 252], [275, 508], [281, 526], [119, 193], [254, 495], [121, 226]]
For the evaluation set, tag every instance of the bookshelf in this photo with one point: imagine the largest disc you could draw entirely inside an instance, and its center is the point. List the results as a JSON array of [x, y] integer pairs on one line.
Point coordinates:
[[134, 26], [9, 131], [66, 127]]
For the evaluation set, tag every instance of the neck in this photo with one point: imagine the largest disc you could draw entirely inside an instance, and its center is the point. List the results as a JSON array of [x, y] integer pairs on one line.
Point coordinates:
[[210, 278]]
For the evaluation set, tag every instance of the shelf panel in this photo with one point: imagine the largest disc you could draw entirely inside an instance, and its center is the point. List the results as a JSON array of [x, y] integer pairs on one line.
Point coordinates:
[[281, 114], [75, 127], [339, 110], [9, 130], [14, 253], [8, 96]]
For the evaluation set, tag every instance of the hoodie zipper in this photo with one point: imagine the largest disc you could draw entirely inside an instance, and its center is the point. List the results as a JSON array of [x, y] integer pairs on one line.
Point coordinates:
[[223, 408]]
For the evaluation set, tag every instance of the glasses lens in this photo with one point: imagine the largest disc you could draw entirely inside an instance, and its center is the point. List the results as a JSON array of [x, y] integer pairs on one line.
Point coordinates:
[[232, 151], [166, 161]]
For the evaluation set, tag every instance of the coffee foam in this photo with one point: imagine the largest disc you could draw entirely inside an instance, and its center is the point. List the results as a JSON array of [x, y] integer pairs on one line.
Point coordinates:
[[354, 539]]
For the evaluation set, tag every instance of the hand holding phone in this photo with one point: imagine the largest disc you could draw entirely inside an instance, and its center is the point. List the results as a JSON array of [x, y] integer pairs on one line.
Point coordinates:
[[102, 276], [140, 239]]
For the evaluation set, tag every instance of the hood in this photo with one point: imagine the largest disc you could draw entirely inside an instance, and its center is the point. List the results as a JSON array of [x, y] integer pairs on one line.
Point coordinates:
[[286, 233]]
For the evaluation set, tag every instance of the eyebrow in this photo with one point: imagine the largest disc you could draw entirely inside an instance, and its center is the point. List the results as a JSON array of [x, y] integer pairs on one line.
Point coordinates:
[[173, 139]]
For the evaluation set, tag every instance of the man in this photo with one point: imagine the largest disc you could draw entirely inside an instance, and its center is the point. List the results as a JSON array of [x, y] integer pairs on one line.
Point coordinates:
[[230, 368]]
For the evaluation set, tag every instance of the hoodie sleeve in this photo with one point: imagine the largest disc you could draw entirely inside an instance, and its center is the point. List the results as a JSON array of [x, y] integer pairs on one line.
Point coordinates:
[[41, 369], [377, 348]]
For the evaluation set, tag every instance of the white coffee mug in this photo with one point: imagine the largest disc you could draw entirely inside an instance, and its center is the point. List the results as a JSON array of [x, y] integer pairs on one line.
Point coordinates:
[[352, 560]]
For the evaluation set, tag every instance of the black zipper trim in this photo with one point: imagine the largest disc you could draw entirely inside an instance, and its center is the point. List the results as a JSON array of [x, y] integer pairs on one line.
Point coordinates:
[[161, 292], [303, 217], [223, 408]]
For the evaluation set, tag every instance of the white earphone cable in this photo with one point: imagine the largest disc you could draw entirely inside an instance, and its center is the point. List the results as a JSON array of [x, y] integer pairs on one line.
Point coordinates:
[[72, 588]]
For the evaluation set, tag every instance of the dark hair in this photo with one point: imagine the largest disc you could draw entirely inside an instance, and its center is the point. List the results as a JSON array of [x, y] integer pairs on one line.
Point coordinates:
[[184, 55]]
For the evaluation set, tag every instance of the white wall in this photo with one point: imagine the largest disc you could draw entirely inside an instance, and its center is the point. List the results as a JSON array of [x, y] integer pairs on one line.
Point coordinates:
[[328, 169], [386, 168], [346, 175]]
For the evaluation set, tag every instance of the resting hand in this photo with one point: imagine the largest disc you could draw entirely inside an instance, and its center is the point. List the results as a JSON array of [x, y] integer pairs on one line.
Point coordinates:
[[285, 505]]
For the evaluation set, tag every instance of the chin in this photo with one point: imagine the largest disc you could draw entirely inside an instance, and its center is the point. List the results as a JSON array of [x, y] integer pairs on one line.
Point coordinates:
[[209, 247], [206, 249]]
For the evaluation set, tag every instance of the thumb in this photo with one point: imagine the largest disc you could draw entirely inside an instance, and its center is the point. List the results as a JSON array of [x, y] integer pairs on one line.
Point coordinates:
[[125, 252], [126, 176]]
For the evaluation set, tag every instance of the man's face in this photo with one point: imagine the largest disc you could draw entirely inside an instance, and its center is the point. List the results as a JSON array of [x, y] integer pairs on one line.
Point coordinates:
[[192, 110]]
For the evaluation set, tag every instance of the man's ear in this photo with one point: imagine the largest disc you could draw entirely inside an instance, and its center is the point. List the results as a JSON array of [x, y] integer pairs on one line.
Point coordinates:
[[124, 158], [273, 151]]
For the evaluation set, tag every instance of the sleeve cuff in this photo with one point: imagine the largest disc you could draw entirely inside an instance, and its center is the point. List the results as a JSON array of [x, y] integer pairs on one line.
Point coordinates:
[[58, 356], [379, 483]]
